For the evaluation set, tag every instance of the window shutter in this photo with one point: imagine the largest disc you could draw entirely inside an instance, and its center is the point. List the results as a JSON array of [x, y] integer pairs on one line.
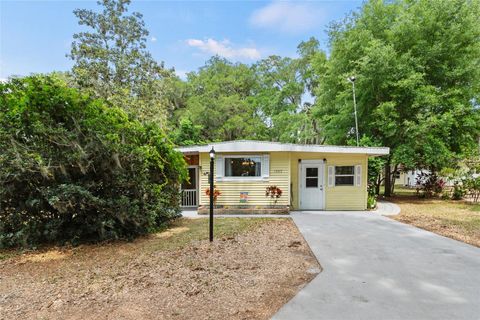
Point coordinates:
[[220, 166], [331, 176], [358, 175], [265, 166]]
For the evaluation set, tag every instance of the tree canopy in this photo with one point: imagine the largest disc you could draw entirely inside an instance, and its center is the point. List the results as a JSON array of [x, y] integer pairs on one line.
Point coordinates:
[[418, 80], [112, 62], [74, 169]]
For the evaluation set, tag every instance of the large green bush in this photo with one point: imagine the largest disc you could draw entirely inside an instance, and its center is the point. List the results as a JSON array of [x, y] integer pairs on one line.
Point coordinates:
[[74, 170]]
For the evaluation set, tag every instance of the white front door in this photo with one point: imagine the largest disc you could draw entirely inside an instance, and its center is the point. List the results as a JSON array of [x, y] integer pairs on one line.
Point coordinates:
[[311, 185]]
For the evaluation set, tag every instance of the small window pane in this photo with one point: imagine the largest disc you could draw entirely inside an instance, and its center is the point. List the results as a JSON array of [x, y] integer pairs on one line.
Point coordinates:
[[243, 167], [344, 170], [344, 181], [312, 172], [311, 182]]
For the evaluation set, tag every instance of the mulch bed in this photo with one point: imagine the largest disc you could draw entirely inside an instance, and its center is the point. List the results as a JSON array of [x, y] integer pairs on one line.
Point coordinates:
[[247, 276]]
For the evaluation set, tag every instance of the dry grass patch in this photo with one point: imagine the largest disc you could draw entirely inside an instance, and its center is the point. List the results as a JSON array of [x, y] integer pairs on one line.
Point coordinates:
[[453, 219], [253, 268]]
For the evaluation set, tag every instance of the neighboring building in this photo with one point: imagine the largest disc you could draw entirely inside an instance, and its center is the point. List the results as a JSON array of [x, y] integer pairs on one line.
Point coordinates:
[[408, 178], [311, 177], [411, 178]]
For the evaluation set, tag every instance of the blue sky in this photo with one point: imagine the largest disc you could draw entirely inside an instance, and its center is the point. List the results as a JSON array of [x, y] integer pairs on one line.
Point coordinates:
[[36, 35]]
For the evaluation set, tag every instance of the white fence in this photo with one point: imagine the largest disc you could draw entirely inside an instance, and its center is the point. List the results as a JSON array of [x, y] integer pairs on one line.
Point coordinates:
[[189, 198]]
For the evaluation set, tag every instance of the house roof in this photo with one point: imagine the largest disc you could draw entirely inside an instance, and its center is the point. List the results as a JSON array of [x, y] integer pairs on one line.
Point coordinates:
[[267, 146]]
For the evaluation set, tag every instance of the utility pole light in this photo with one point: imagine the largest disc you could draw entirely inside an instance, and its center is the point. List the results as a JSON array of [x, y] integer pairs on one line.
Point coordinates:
[[352, 80], [212, 158]]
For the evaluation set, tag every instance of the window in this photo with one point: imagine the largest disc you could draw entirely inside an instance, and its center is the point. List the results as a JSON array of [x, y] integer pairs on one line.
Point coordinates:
[[344, 175], [311, 178], [243, 167]]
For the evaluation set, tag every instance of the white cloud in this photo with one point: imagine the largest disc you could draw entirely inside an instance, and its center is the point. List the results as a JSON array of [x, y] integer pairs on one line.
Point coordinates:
[[153, 39], [288, 17], [224, 49]]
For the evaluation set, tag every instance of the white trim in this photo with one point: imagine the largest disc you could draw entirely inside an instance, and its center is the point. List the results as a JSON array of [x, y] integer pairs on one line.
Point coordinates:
[[331, 176], [265, 146], [242, 179], [220, 167], [358, 175]]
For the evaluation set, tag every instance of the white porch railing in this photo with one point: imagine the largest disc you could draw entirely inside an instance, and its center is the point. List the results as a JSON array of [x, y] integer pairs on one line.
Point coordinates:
[[189, 198]]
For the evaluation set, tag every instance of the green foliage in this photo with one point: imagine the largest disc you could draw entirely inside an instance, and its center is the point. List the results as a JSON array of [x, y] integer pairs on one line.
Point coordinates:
[[72, 169], [219, 101], [264, 101], [430, 185], [112, 63], [458, 192], [418, 80], [371, 201], [472, 186], [187, 134], [372, 195]]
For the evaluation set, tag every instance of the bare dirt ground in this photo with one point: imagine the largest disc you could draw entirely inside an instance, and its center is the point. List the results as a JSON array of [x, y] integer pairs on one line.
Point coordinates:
[[458, 220], [248, 273]]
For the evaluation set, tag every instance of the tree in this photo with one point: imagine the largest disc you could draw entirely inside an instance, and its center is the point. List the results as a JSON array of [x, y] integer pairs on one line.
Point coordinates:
[[219, 101], [279, 97], [283, 86], [418, 77], [74, 170], [112, 62]]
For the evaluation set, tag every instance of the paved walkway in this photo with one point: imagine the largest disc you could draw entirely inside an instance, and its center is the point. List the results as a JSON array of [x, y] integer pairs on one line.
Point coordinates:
[[378, 268], [386, 208]]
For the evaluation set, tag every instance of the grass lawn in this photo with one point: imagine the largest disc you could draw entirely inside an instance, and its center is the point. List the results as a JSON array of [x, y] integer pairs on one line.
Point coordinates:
[[454, 219], [252, 268]]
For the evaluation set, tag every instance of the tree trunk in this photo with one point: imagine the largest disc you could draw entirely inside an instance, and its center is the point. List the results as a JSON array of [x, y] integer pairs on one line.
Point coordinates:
[[395, 169], [388, 180], [378, 183]]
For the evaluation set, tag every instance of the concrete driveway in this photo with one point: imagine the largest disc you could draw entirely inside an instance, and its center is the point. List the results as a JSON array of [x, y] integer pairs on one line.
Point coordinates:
[[378, 268]]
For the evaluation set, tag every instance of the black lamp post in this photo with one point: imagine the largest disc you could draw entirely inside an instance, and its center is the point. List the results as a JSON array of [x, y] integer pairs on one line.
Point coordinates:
[[212, 158]]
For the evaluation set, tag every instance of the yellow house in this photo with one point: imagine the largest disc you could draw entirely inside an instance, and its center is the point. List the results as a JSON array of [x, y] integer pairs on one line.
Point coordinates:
[[310, 177]]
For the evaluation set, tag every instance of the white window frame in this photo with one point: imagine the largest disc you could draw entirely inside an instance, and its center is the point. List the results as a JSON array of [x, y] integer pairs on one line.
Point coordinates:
[[264, 168]]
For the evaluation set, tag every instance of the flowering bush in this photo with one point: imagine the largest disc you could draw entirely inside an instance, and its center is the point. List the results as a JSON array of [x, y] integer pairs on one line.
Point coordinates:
[[429, 184], [274, 193], [216, 193]]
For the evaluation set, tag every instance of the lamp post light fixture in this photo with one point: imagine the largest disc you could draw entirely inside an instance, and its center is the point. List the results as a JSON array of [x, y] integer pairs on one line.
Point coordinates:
[[212, 158], [352, 80]]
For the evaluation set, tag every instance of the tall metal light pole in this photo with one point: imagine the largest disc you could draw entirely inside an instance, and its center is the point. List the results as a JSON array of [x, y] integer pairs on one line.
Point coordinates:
[[212, 158], [352, 80]]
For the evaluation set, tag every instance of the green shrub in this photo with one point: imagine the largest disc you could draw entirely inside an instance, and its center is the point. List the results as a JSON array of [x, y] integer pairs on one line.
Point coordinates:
[[371, 202], [74, 170], [372, 196], [472, 186], [458, 191]]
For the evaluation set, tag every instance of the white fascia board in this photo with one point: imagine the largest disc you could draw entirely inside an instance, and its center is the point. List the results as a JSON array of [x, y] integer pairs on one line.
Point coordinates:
[[264, 146]]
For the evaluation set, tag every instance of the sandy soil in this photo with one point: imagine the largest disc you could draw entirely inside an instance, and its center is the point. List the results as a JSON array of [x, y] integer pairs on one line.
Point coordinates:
[[454, 219], [245, 276]]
